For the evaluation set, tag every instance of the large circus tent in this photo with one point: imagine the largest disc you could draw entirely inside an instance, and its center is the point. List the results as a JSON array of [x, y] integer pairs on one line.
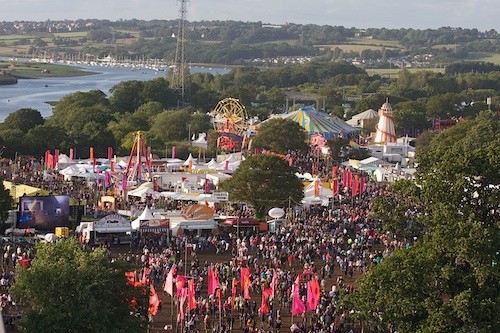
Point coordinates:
[[316, 122]]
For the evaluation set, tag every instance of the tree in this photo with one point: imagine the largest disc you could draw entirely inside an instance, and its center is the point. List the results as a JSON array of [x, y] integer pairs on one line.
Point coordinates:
[[447, 281], [6, 203], [69, 289], [127, 96], [264, 181], [280, 135], [336, 146], [23, 119]]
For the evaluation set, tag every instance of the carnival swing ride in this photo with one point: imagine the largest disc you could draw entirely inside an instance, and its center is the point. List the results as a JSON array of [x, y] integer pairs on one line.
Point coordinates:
[[139, 162], [231, 123]]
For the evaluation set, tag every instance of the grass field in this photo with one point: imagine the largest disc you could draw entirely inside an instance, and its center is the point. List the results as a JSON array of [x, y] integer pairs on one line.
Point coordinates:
[[37, 70], [72, 34], [354, 47], [379, 42], [483, 56], [394, 72]]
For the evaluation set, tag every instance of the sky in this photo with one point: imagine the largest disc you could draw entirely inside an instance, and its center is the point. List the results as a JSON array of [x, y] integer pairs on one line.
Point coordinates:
[[419, 14]]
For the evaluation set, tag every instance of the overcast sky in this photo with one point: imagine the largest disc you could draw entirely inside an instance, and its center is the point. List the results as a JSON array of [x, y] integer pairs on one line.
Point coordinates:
[[421, 14]]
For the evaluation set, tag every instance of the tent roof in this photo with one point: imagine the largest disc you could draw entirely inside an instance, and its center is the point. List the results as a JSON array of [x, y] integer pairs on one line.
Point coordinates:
[[368, 114], [315, 122]]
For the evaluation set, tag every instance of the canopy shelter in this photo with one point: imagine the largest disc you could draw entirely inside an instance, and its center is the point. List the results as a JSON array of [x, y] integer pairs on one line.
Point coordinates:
[[19, 190], [316, 122], [358, 119], [146, 215]]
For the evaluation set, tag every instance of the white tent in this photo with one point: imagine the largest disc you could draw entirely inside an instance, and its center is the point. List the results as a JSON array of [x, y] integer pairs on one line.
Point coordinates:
[[358, 119], [201, 141], [146, 215], [323, 197], [189, 159], [212, 164], [142, 192]]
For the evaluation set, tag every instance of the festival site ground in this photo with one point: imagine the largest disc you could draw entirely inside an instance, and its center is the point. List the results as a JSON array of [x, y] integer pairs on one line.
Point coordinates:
[[250, 283]]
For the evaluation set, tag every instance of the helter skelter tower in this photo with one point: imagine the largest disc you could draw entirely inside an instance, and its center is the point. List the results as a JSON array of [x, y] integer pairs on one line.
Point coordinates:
[[139, 162], [385, 127], [179, 69]]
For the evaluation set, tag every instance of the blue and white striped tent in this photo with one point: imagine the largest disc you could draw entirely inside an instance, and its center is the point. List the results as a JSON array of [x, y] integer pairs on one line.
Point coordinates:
[[316, 122]]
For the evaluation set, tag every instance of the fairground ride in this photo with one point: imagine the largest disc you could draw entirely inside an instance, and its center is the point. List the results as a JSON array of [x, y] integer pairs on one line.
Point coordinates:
[[231, 122], [139, 162]]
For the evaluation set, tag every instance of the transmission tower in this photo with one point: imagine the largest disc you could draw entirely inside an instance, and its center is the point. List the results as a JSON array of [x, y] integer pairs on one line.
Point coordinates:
[[179, 68]]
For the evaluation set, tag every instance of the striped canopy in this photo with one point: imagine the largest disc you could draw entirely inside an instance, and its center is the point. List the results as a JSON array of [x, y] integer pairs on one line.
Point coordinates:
[[316, 122]]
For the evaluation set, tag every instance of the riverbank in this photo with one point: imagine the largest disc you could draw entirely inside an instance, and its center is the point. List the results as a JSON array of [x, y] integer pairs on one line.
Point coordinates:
[[30, 70], [7, 79]]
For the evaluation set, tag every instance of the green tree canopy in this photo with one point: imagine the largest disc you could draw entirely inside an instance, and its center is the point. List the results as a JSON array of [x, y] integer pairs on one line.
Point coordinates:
[[280, 135], [264, 181], [68, 289], [23, 119], [448, 280]]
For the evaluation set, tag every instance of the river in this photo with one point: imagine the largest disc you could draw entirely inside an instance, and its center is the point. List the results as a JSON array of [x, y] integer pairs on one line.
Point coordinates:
[[35, 93]]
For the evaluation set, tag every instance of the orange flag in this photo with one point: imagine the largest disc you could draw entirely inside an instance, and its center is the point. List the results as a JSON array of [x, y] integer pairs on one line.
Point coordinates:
[[154, 301], [191, 295]]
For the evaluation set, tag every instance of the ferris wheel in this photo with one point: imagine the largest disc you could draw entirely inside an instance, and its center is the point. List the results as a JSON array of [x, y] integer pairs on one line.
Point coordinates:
[[230, 116]]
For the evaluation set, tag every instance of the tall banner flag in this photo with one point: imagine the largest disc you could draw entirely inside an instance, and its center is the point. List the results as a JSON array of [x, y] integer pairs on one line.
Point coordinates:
[[169, 282], [362, 184], [355, 185], [264, 307], [335, 170], [233, 292], [213, 282], [298, 306], [173, 151], [245, 282], [191, 295], [179, 284], [91, 154], [56, 157], [274, 281], [71, 154], [316, 187], [154, 301], [313, 294], [110, 153], [335, 187], [182, 299], [349, 179]]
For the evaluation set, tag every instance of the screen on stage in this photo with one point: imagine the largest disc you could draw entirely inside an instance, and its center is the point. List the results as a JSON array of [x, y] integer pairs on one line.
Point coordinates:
[[43, 213]]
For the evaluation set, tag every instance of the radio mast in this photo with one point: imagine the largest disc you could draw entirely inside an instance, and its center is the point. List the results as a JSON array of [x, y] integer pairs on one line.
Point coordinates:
[[179, 69]]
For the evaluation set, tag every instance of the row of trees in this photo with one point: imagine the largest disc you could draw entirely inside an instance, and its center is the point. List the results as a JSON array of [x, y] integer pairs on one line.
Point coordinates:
[[86, 119]]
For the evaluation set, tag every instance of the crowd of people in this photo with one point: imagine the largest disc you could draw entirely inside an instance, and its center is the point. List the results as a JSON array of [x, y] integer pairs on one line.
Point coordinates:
[[335, 244]]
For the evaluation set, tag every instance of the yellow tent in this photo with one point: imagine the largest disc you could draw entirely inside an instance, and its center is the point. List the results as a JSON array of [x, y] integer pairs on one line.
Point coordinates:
[[18, 190]]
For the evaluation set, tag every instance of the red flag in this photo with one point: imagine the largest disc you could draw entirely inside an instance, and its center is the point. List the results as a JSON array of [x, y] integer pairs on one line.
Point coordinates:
[[233, 292], [91, 153], [290, 161], [191, 295], [335, 169], [298, 306], [56, 157], [169, 282], [245, 282], [313, 294], [110, 153], [154, 301], [264, 308], [355, 185], [316, 188], [362, 184], [335, 186]]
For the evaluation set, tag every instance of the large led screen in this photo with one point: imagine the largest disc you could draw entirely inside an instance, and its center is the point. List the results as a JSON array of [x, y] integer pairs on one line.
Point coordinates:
[[43, 213]]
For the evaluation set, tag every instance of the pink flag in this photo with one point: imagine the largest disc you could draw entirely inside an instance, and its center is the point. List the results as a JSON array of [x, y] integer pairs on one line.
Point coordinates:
[[179, 284], [362, 183], [110, 153], [211, 288], [124, 181], [173, 151], [264, 308], [245, 282], [298, 306], [71, 154], [274, 281], [182, 299], [169, 282]]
